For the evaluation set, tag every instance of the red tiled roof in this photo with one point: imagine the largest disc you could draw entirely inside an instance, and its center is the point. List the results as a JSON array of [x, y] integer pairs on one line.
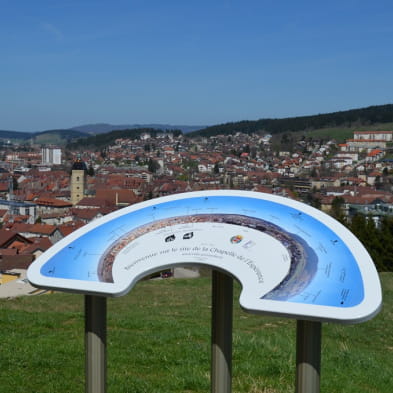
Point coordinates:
[[18, 261], [39, 243], [8, 251], [264, 189], [69, 228], [43, 229], [8, 236], [93, 202], [85, 214], [374, 152], [52, 202], [4, 187]]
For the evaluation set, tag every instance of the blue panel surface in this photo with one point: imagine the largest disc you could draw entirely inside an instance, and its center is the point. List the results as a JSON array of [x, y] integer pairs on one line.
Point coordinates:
[[289, 253]]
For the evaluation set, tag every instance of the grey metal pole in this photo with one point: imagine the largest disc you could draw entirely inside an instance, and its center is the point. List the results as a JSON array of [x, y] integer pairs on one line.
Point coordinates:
[[308, 356], [221, 340], [95, 344]]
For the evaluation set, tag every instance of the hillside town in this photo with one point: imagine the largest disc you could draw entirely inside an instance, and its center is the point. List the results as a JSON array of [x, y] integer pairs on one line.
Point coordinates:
[[47, 192]]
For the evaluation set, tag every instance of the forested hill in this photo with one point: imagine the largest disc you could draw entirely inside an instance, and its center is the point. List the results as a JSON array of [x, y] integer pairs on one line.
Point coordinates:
[[354, 117], [102, 140]]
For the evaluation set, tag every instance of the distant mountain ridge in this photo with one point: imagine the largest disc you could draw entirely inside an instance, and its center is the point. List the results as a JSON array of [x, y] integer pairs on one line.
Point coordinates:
[[101, 128], [50, 136], [379, 114], [67, 134], [64, 136], [7, 134]]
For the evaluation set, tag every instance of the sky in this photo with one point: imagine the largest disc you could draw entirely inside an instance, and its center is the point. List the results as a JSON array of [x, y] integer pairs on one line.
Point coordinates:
[[189, 62]]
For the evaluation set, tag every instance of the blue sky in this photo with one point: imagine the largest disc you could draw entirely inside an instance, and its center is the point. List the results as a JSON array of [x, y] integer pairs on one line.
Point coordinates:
[[66, 63]]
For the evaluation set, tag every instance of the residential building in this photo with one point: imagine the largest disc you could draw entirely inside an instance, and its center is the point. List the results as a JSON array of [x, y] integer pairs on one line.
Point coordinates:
[[51, 156]]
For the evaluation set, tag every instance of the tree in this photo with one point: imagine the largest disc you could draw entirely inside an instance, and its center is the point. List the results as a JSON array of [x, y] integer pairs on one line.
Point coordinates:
[[377, 241], [246, 149], [338, 208], [216, 168], [314, 172], [153, 166], [253, 152], [358, 227], [312, 199], [177, 133], [149, 195], [386, 240], [15, 183], [90, 171]]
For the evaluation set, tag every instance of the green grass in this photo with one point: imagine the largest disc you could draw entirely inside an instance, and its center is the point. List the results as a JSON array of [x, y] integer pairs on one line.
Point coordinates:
[[159, 341], [336, 133], [340, 134]]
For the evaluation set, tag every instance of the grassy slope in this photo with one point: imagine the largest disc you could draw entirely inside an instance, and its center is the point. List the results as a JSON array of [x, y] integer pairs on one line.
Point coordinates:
[[158, 341], [340, 134]]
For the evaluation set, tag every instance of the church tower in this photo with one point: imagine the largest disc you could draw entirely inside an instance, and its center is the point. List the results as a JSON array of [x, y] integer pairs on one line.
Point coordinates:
[[78, 181]]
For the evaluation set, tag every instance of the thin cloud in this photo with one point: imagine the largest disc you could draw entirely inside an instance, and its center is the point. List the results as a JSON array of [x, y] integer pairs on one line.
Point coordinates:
[[53, 30]]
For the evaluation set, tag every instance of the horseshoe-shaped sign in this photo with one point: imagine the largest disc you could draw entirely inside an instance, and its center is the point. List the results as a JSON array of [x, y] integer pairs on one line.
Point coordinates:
[[291, 259]]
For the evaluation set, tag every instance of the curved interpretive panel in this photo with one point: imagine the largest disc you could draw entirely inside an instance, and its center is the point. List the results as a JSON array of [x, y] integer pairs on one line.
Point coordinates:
[[290, 259]]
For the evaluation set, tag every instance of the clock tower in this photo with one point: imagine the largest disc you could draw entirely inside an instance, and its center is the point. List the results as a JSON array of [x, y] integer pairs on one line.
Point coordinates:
[[78, 181]]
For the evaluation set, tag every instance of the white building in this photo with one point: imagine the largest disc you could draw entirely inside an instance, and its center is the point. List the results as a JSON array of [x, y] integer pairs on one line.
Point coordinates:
[[20, 208], [386, 136], [51, 156]]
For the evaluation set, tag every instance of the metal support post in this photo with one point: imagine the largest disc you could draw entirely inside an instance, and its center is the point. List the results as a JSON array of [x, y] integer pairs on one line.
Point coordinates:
[[95, 344], [308, 356], [221, 344]]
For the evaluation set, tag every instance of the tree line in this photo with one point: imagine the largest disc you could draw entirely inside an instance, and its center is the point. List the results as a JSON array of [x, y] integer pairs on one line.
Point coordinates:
[[364, 116], [377, 239]]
